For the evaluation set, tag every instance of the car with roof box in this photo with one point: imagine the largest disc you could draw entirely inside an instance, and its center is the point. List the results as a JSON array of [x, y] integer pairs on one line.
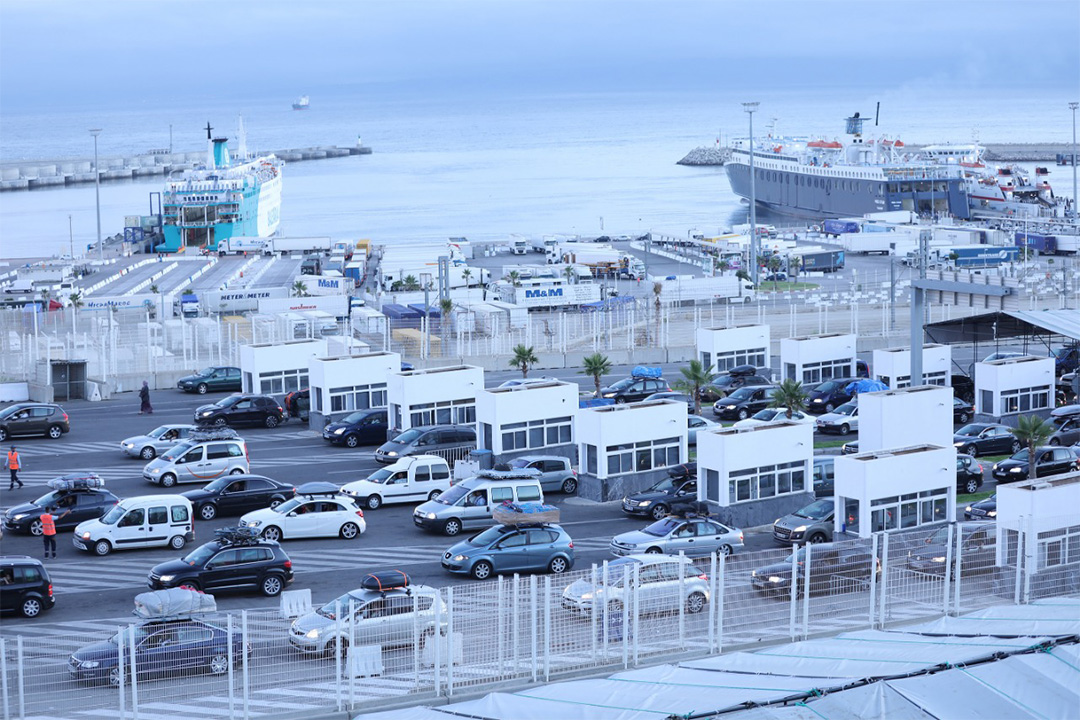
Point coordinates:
[[33, 419], [76, 496], [664, 583], [25, 586], [409, 480], [728, 382], [160, 439], [1067, 428], [471, 502], [446, 441], [643, 381], [236, 559], [318, 509]]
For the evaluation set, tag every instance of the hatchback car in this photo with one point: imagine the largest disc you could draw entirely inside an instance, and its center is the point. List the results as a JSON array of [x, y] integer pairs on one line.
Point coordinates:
[[1068, 431], [813, 524], [693, 536], [155, 442], [694, 423], [829, 395], [663, 586], [77, 497], [657, 501], [556, 472], [1051, 461], [446, 441], [237, 494], [982, 510], [204, 456], [633, 389], [969, 474], [363, 427], [985, 439], [962, 411], [215, 379], [842, 420], [318, 510], [771, 415], [732, 380], [242, 410], [33, 419], [678, 396], [978, 550], [508, 548], [236, 560], [834, 567], [25, 587], [744, 402]]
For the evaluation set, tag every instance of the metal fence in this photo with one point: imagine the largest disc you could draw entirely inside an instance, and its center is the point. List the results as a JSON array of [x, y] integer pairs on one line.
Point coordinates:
[[516, 629]]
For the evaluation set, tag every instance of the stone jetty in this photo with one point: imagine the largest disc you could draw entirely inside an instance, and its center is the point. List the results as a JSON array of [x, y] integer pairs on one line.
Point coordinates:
[[706, 156]]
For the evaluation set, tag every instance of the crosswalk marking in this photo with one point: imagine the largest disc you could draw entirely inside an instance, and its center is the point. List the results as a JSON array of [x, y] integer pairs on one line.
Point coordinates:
[[53, 448]]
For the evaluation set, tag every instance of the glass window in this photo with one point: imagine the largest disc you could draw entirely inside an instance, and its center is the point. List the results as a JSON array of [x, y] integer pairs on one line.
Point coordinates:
[[529, 493], [179, 513], [133, 519], [158, 515], [501, 495]]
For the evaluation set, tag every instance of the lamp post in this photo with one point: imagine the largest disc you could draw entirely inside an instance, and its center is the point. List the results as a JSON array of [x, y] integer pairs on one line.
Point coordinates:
[[97, 193], [1073, 106], [749, 108], [71, 238]]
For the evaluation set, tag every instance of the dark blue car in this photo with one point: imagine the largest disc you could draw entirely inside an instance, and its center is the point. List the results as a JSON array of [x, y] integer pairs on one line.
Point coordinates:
[[363, 427], [829, 395]]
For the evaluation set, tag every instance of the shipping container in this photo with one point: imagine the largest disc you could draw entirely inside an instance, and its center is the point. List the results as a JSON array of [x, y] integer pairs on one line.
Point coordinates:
[[1045, 244], [836, 228], [980, 255], [828, 261]]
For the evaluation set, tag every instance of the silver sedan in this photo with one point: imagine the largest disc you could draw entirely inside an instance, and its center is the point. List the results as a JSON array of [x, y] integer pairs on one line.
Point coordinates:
[[155, 442], [695, 537]]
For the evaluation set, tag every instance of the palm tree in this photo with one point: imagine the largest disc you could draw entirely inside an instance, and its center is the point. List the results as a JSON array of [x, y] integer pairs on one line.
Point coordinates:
[[569, 274], [446, 306], [299, 289], [791, 396], [774, 265], [597, 366], [514, 277], [523, 358], [1033, 432], [45, 297], [410, 283], [694, 378], [465, 275], [154, 289], [742, 274], [76, 300], [723, 266]]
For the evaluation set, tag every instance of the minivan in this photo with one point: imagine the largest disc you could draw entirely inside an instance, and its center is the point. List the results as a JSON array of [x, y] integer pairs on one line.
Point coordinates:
[[410, 479], [138, 522], [450, 442], [200, 460], [470, 503]]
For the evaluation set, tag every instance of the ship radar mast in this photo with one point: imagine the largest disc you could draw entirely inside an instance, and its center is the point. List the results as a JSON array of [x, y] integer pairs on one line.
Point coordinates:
[[209, 147], [857, 152]]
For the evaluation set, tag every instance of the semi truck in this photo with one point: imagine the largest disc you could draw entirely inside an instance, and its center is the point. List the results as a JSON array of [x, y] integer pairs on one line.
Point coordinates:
[[1044, 244], [336, 305], [721, 288], [234, 301], [519, 244], [297, 245], [979, 255], [824, 261], [390, 274], [546, 293], [836, 228], [242, 244]]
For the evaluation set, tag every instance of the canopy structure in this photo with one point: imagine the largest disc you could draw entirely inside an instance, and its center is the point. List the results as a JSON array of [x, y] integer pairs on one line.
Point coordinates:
[[1038, 327], [1018, 661]]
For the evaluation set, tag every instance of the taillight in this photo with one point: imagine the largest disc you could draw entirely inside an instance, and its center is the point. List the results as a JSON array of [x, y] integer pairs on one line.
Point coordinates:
[[703, 576], [65, 417], [288, 564], [980, 466], [741, 538], [360, 513], [281, 410], [50, 589], [571, 544]]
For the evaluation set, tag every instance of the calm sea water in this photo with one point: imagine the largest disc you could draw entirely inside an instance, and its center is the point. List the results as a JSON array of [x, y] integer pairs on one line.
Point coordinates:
[[483, 166]]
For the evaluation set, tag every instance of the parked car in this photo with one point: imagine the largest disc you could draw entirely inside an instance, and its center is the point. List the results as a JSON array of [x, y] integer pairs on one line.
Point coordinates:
[[829, 395], [409, 480], [446, 441], [771, 415], [470, 503], [658, 500], [237, 494], [633, 389], [662, 586], [978, 439], [241, 410], [729, 382], [25, 586], [776, 277], [1068, 431], [692, 536], [525, 382], [556, 472], [1003, 355], [363, 427], [695, 423], [317, 510], [545, 547], [962, 411], [978, 550], [824, 476], [33, 419], [851, 447], [744, 402], [833, 567], [138, 522], [1051, 461], [812, 524], [1066, 359], [680, 397], [205, 455], [963, 387], [77, 497], [236, 560], [969, 475], [155, 442], [379, 612], [982, 510], [842, 420], [211, 379]]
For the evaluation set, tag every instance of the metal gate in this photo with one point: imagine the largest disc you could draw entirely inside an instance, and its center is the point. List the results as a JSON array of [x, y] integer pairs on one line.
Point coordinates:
[[69, 380]]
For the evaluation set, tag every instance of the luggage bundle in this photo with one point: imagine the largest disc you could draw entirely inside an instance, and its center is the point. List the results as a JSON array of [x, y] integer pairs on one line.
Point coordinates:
[[77, 481], [527, 513], [509, 474], [172, 603], [385, 580], [647, 372]]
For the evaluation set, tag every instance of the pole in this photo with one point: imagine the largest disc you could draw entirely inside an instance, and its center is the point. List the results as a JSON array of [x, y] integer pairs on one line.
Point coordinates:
[[750, 107], [71, 238], [1073, 106], [97, 193], [918, 297]]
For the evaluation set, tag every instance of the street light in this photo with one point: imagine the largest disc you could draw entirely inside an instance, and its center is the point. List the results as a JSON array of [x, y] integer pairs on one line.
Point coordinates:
[[749, 108], [1073, 106], [97, 193]]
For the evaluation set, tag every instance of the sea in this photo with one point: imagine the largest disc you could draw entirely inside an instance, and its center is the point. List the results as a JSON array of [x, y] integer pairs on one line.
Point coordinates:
[[484, 165]]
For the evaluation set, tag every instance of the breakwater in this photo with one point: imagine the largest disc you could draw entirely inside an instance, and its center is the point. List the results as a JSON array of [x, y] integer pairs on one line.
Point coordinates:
[[31, 175], [995, 152]]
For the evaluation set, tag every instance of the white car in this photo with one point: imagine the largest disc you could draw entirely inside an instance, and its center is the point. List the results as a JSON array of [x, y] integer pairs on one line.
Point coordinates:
[[842, 420], [317, 510], [695, 423], [772, 415], [658, 578], [411, 479]]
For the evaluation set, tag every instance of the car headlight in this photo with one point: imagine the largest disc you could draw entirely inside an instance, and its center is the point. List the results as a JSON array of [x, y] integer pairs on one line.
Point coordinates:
[[609, 395], [992, 513], [19, 517], [644, 503], [253, 523], [206, 413], [1016, 469], [801, 528], [86, 535], [587, 596], [391, 453], [818, 400], [89, 664], [730, 407], [938, 559], [128, 445], [166, 578], [459, 558], [967, 509], [775, 579], [312, 634], [155, 471], [430, 516], [753, 573], [339, 431]]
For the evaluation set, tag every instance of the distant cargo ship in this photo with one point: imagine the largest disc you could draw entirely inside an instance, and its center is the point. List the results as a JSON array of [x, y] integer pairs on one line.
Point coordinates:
[[302, 103], [222, 200]]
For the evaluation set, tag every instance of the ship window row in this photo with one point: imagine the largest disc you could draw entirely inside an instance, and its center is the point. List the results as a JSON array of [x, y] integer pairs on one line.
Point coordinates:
[[819, 183]]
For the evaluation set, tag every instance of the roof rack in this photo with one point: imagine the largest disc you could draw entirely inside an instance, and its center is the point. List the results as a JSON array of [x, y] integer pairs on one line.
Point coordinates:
[[212, 433], [511, 474], [237, 535]]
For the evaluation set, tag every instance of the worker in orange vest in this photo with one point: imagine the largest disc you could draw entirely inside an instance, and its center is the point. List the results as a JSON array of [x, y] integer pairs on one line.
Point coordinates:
[[14, 465], [48, 529]]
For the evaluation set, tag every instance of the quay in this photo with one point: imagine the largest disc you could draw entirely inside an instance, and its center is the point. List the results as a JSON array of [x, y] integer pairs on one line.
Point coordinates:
[[53, 173]]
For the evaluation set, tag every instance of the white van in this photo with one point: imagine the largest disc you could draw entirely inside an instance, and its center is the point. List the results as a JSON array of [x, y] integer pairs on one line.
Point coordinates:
[[410, 479], [470, 503], [138, 522]]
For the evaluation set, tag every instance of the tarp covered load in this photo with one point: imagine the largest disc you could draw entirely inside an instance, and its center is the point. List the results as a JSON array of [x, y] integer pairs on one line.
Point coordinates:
[[173, 602], [526, 473], [527, 513], [642, 371], [77, 481]]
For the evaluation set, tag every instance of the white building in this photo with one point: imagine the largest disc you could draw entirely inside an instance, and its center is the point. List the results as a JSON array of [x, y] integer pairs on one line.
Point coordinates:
[[344, 383], [814, 358], [437, 396], [896, 488], [626, 448], [756, 474], [278, 368], [728, 347], [921, 415], [1014, 386], [528, 419], [892, 366], [1045, 511]]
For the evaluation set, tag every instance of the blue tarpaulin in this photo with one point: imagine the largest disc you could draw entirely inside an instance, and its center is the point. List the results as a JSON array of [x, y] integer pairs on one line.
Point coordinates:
[[866, 385]]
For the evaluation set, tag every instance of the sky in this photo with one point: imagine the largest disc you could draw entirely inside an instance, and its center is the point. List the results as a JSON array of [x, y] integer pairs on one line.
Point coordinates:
[[76, 53]]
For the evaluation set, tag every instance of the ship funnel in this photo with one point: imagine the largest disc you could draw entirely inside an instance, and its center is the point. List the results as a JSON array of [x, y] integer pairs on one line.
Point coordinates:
[[221, 153]]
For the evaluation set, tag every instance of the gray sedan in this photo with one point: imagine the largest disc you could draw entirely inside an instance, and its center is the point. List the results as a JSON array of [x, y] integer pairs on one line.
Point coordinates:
[[156, 441], [695, 537]]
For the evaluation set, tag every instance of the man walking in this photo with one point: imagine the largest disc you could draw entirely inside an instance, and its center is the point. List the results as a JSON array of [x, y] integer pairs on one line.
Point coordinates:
[[14, 465], [48, 529]]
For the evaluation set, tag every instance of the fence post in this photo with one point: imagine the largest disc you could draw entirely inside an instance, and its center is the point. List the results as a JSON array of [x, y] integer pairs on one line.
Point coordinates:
[[948, 564], [4, 682], [605, 616], [1019, 560], [352, 644], [244, 643], [134, 674], [721, 590], [533, 620], [794, 591], [806, 595], [435, 671], [547, 627], [883, 591], [593, 611], [959, 570], [682, 599], [712, 594], [232, 681], [338, 652], [119, 668], [416, 640], [514, 619], [635, 597], [1030, 548], [873, 585], [500, 635], [449, 642]]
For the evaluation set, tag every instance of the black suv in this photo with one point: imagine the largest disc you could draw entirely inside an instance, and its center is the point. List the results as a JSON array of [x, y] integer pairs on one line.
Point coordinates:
[[83, 494], [744, 402], [656, 502], [241, 410], [729, 382], [25, 586], [28, 418], [632, 389], [213, 378], [363, 427], [829, 395], [237, 559], [238, 494]]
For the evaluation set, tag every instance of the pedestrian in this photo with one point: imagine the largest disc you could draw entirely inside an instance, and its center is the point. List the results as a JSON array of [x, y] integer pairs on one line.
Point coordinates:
[[48, 529], [144, 396], [14, 463]]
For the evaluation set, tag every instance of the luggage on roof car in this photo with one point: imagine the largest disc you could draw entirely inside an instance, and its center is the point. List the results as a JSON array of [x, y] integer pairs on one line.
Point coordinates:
[[385, 580], [77, 481], [646, 372], [173, 602], [318, 488], [683, 471], [526, 513], [509, 474]]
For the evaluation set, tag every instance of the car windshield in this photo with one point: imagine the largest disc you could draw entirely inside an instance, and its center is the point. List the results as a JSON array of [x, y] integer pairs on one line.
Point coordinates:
[[665, 485], [329, 610], [741, 394], [218, 485], [622, 384], [800, 554], [846, 409], [115, 513], [380, 475], [201, 554], [176, 451], [205, 372], [1022, 455], [487, 537], [766, 414], [816, 510], [287, 506], [228, 402], [407, 437], [723, 381], [8, 411], [827, 386], [157, 432], [971, 430], [451, 496], [354, 417], [1063, 352], [661, 528]]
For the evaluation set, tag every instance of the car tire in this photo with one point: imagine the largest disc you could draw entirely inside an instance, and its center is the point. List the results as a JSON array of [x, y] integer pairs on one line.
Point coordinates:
[[114, 677], [654, 551], [272, 585], [219, 664], [829, 407], [272, 533], [695, 603], [971, 486], [148, 453], [434, 494], [558, 565], [272, 421], [236, 471], [275, 501], [102, 548], [614, 608], [620, 401], [201, 389], [351, 440], [189, 585], [3, 434], [659, 511], [31, 607], [36, 528], [816, 538], [725, 550], [168, 480], [1054, 441], [743, 414], [451, 527], [845, 429], [971, 450], [482, 570], [177, 542], [54, 432], [1015, 447], [337, 645], [964, 417], [569, 486], [208, 511], [349, 531], [373, 502]]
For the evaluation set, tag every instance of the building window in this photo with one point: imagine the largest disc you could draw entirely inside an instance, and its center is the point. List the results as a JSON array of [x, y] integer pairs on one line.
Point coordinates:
[[712, 485], [1025, 400], [536, 434], [750, 356], [1059, 547], [903, 381], [590, 459], [283, 381], [446, 412], [912, 510], [766, 482], [357, 397], [826, 370], [643, 456]]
